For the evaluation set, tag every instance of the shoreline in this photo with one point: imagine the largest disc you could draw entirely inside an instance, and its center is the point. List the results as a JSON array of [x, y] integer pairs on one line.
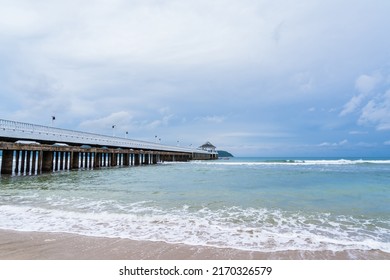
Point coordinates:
[[19, 245]]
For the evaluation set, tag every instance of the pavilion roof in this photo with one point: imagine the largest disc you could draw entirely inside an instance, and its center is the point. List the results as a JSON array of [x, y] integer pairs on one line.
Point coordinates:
[[207, 145]]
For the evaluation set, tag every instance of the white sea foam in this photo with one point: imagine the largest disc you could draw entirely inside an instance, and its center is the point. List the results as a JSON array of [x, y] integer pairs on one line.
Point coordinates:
[[294, 162], [246, 229]]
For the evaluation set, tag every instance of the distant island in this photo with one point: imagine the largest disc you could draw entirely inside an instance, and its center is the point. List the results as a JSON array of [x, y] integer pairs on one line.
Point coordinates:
[[224, 154]]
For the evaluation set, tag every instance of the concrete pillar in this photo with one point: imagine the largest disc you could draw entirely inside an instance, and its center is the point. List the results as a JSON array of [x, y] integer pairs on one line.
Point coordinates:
[[40, 161], [114, 160], [96, 160], [126, 159], [136, 159], [34, 162], [23, 162], [55, 157], [60, 160], [47, 161], [6, 162], [108, 159], [75, 160], [104, 159], [146, 159], [81, 156], [17, 155], [86, 155], [28, 162], [155, 159], [89, 160], [66, 160]]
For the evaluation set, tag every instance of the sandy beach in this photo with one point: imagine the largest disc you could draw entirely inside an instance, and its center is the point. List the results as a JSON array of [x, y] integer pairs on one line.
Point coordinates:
[[15, 245]]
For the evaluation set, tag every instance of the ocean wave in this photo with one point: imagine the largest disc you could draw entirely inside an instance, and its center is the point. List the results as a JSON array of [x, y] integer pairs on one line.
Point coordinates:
[[293, 162], [233, 227]]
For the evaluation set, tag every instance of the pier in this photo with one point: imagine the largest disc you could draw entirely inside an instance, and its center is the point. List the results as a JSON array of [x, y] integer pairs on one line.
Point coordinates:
[[29, 149]]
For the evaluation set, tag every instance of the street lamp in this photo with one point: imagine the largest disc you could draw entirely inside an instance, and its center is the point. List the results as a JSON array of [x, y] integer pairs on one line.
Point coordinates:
[[113, 130], [53, 118]]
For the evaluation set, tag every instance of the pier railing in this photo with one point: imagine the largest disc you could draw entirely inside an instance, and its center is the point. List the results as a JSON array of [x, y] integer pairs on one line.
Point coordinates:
[[13, 130]]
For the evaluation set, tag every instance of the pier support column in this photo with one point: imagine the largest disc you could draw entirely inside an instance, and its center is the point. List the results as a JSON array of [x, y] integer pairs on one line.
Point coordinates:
[[154, 159], [120, 159], [17, 156], [96, 160], [86, 155], [75, 160], [89, 160], [114, 160], [104, 160], [28, 162], [81, 155], [66, 160], [136, 159], [23, 162], [60, 160], [6, 162], [34, 162], [40, 162], [47, 161], [55, 158], [126, 159], [146, 159]]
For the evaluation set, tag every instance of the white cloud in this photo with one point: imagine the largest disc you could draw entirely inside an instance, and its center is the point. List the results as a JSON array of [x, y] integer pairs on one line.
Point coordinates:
[[335, 144], [357, 132], [121, 118], [303, 81], [213, 119], [366, 83], [377, 112], [352, 104]]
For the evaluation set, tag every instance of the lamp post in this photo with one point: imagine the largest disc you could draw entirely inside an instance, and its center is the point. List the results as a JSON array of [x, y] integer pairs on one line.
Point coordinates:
[[53, 118], [113, 130]]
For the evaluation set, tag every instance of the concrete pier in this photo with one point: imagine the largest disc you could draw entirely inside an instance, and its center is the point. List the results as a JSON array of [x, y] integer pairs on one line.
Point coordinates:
[[29, 149]]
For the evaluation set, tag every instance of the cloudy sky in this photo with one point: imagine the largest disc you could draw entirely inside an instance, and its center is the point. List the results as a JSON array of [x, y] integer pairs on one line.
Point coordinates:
[[254, 77]]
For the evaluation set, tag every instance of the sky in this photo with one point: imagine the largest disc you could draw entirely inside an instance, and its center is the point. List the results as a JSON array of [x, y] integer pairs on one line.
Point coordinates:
[[253, 77]]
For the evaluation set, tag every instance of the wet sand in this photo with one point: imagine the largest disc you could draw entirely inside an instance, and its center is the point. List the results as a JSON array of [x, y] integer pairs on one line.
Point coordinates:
[[15, 245]]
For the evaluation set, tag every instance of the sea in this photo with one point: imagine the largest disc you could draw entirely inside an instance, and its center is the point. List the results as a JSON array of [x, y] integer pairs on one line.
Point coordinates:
[[252, 204]]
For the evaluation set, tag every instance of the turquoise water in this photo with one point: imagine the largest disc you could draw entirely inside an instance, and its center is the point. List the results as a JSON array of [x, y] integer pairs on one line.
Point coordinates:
[[259, 204]]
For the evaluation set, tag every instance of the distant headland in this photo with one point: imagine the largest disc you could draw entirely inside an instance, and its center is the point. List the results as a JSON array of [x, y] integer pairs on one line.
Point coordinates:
[[224, 154]]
